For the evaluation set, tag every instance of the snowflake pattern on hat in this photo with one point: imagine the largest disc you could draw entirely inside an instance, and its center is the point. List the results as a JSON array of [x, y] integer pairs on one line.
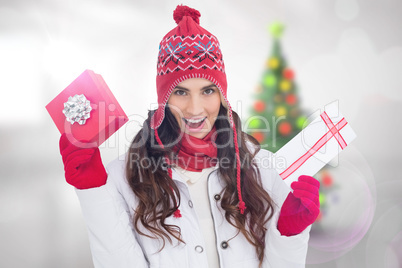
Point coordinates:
[[179, 53]]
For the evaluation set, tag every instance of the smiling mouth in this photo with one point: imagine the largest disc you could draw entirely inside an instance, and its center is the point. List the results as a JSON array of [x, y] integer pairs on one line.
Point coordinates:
[[194, 124]]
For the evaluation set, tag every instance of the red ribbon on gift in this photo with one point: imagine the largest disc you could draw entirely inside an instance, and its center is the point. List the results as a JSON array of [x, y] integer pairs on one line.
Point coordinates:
[[332, 132]]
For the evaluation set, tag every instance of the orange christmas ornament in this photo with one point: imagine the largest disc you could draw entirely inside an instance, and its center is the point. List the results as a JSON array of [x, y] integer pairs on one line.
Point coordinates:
[[284, 128], [259, 136], [291, 99], [288, 74], [326, 180], [259, 106], [319, 217]]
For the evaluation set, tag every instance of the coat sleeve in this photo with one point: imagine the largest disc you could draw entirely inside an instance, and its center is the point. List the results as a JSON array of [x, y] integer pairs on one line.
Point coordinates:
[[111, 237], [282, 251]]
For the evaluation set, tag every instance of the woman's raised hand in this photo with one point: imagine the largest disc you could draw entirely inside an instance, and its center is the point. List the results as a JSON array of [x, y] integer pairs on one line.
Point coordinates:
[[301, 207], [83, 166]]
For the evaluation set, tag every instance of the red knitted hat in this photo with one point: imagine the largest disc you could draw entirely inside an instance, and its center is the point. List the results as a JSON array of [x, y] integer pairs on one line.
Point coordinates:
[[190, 51], [185, 52]]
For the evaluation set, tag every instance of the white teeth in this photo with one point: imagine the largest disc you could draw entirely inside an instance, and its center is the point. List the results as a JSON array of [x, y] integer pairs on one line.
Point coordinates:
[[194, 120]]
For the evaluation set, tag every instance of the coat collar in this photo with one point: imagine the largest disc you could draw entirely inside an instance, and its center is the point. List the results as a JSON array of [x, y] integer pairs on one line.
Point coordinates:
[[177, 176]]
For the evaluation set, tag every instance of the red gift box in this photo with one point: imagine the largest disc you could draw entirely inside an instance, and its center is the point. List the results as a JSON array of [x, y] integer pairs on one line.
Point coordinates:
[[105, 118]]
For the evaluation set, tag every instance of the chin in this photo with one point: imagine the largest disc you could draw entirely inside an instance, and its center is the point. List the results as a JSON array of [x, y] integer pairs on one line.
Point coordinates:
[[199, 134]]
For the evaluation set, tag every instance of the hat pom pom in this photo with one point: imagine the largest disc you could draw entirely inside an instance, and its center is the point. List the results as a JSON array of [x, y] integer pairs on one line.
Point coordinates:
[[182, 11]]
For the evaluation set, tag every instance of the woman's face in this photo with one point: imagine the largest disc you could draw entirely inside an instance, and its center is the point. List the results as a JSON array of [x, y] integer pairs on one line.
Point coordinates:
[[195, 104]]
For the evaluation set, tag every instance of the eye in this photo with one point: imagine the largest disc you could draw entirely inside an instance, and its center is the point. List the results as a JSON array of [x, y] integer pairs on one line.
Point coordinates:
[[180, 92], [209, 91]]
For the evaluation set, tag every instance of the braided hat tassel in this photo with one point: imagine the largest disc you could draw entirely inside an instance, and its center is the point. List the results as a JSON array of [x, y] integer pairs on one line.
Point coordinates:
[[242, 205]]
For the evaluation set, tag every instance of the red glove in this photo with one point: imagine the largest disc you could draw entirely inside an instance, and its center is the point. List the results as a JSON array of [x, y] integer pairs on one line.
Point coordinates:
[[301, 207], [83, 166]]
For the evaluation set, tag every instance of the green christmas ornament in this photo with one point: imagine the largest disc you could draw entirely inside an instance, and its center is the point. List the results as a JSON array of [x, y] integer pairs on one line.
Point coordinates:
[[270, 80], [276, 29], [321, 198], [301, 122], [255, 123]]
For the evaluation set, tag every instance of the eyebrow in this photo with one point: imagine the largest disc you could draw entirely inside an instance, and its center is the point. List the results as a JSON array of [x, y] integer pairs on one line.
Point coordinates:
[[186, 89]]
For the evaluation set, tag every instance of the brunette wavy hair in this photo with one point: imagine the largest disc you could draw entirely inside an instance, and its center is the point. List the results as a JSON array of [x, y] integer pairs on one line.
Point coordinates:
[[159, 196]]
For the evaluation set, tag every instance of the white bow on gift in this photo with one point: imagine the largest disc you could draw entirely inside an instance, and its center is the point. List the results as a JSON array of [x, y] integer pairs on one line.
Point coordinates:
[[77, 109]]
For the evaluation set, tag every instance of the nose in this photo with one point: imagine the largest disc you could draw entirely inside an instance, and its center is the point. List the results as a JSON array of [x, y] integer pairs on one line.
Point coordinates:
[[195, 106]]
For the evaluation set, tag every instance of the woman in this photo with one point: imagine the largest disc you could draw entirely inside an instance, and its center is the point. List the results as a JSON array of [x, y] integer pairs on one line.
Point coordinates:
[[192, 191]]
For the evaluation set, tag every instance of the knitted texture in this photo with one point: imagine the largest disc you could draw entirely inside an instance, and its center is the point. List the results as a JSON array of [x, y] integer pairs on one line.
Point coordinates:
[[83, 166], [197, 154], [301, 207], [182, 11]]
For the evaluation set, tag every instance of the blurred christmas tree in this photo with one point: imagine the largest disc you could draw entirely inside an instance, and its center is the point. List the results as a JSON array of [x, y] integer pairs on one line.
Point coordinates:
[[276, 116], [328, 194]]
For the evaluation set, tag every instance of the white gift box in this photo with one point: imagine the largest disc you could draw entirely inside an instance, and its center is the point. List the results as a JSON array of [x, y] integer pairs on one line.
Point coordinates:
[[318, 143]]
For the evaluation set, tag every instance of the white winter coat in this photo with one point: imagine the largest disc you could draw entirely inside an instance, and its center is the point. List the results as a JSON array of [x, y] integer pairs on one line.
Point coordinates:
[[108, 212]]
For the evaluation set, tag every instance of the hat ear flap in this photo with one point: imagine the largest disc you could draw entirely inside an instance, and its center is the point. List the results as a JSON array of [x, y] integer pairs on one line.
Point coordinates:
[[223, 101]]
